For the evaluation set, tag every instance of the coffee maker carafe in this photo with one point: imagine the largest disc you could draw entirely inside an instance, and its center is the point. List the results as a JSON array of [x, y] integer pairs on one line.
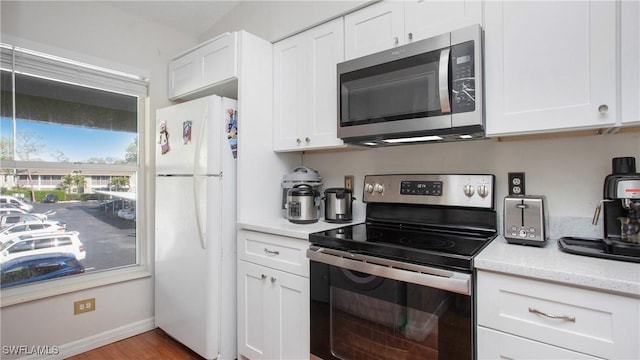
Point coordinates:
[[621, 202]]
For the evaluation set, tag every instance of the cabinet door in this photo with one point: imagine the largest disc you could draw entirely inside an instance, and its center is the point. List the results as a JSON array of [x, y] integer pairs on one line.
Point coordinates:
[[290, 324], [630, 62], [374, 28], [550, 66], [424, 19], [305, 88], [327, 50], [217, 60], [288, 78], [182, 75], [254, 335], [210, 65]]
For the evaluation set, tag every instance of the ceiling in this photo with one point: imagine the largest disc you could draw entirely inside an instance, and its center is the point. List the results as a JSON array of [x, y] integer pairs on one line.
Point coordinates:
[[190, 17]]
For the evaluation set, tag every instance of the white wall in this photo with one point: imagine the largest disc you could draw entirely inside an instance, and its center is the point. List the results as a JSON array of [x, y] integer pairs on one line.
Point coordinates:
[[102, 35]]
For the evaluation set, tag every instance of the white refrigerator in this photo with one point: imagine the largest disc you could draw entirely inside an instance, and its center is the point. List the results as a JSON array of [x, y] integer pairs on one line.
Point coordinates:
[[195, 231]]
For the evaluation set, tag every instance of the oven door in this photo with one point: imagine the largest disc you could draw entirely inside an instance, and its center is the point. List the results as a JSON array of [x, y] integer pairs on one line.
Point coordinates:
[[364, 307]]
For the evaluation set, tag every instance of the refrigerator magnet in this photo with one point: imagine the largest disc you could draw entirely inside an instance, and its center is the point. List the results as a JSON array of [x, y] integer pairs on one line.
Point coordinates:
[[164, 138], [232, 130], [186, 132]]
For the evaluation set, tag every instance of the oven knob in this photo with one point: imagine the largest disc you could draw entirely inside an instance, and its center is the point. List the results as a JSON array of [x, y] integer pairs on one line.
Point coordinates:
[[368, 188], [483, 190], [469, 190], [379, 188]]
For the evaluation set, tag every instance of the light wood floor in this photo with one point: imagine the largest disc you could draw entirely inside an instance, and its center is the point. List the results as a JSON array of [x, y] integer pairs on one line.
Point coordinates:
[[154, 344]]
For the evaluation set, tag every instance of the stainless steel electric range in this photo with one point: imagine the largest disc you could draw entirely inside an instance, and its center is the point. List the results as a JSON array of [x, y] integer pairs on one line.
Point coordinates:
[[401, 285]]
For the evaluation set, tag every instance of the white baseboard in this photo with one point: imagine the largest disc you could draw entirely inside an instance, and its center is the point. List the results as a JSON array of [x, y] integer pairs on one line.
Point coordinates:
[[98, 340]]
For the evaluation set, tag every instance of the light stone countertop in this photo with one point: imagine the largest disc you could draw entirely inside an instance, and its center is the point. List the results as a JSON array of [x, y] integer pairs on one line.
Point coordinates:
[[283, 227], [552, 264]]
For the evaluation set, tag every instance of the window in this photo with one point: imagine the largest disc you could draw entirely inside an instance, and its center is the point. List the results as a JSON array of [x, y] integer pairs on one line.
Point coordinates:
[[75, 129]]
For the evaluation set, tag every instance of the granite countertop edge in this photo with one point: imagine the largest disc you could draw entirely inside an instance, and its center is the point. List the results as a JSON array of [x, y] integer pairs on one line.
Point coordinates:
[[549, 263]]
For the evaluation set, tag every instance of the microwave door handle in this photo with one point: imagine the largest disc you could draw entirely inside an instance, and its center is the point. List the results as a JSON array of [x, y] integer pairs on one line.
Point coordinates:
[[443, 79]]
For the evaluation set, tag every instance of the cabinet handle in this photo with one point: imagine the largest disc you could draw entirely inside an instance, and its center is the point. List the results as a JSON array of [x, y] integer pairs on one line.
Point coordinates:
[[271, 252], [395, 40], [410, 36], [603, 108], [307, 140], [263, 276], [552, 316], [273, 279]]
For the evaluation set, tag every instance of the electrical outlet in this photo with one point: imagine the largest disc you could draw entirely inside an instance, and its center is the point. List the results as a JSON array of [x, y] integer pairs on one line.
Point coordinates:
[[83, 306], [348, 182], [516, 183]]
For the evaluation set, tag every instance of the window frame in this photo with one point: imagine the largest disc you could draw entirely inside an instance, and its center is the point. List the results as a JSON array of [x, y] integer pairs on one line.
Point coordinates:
[[83, 74]]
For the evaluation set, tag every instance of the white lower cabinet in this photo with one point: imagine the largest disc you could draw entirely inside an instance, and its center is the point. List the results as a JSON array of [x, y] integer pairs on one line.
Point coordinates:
[[526, 318], [494, 344], [273, 305]]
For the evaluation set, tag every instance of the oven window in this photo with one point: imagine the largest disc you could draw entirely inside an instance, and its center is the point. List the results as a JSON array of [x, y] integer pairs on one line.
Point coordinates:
[[398, 90], [370, 317]]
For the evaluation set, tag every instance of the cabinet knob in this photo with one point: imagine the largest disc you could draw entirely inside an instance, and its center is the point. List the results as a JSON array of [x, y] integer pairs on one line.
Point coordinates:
[[410, 36], [603, 109], [395, 40], [263, 276], [298, 141], [273, 279], [307, 140]]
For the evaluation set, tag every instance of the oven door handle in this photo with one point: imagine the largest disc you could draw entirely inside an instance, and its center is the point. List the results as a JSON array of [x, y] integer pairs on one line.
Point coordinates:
[[406, 272]]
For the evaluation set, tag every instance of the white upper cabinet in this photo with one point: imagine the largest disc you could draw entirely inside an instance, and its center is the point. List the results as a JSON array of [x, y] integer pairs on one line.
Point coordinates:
[[630, 63], [550, 66], [205, 70], [305, 88], [387, 24]]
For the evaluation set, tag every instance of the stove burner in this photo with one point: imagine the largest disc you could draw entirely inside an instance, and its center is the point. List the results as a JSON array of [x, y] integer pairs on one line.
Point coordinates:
[[426, 242]]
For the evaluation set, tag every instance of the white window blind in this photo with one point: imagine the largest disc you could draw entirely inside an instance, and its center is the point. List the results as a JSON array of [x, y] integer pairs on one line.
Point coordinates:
[[38, 64]]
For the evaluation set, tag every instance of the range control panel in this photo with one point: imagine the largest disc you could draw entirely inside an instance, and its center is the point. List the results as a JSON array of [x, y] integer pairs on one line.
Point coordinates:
[[460, 190]]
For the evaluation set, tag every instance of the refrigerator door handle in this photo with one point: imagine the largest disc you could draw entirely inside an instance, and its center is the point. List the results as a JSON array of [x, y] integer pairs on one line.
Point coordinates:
[[203, 241]]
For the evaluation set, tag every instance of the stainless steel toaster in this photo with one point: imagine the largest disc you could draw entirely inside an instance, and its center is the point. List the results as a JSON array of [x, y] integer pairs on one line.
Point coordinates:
[[525, 220]]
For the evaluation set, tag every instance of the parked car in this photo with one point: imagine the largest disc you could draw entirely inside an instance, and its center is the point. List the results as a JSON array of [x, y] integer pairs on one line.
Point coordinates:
[[32, 268], [12, 219], [9, 211], [30, 228], [50, 198], [114, 205], [22, 203], [67, 242], [128, 213]]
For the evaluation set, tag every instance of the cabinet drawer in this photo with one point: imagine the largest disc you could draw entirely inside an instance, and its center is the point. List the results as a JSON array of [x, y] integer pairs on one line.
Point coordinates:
[[498, 345], [587, 321], [278, 252]]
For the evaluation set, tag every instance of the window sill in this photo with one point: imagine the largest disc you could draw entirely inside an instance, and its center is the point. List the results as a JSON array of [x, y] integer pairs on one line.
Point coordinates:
[[45, 289]]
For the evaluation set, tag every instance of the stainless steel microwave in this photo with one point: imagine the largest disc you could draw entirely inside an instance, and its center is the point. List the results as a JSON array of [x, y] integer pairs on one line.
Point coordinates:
[[428, 90]]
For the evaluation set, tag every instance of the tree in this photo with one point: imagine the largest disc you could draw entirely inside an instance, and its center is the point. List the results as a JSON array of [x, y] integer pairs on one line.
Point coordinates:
[[79, 181], [119, 182], [131, 157], [66, 182]]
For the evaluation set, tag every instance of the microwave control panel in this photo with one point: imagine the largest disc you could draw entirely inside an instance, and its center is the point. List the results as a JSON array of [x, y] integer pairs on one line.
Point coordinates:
[[463, 87]]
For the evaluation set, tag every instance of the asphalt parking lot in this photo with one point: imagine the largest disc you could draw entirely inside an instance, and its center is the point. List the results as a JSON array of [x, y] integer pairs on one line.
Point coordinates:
[[109, 241]]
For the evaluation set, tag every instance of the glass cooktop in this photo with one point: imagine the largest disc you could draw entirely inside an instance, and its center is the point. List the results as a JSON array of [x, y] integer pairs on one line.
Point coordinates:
[[447, 249]]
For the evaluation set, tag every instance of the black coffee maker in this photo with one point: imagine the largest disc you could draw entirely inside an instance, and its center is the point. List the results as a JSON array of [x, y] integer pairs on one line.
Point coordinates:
[[621, 202], [620, 206]]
